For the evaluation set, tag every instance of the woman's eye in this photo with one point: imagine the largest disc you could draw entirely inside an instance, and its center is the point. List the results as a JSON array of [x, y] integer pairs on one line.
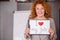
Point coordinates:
[[42, 8], [37, 8]]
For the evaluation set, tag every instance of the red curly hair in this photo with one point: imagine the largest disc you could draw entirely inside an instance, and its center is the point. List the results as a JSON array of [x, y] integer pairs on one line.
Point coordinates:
[[46, 7]]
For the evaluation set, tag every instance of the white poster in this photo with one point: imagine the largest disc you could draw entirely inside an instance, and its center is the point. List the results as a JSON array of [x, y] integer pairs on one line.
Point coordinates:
[[39, 26], [19, 24]]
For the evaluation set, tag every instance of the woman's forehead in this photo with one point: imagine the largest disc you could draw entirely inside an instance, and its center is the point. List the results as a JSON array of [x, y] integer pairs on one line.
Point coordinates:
[[39, 5]]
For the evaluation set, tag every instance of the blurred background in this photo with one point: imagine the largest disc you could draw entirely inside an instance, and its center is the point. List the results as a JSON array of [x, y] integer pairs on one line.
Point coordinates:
[[8, 7]]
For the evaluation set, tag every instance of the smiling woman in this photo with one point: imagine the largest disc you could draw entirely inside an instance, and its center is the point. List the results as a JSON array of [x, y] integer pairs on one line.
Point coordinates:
[[41, 10]]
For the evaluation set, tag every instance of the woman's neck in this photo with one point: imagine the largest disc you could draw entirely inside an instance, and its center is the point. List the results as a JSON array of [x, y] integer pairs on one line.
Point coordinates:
[[40, 18]]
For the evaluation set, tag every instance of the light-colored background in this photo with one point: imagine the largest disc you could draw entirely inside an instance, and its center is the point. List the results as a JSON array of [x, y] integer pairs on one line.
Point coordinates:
[[20, 19]]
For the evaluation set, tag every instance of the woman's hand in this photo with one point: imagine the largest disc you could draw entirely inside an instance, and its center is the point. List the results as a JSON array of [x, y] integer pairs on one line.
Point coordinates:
[[51, 33], [27, 33]]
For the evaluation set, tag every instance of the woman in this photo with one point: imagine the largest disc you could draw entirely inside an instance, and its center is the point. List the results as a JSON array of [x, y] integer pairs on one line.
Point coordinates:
[[41, 10]]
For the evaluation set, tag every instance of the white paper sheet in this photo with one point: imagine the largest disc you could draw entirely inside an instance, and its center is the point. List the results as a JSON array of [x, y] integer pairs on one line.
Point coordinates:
[[39, 26]]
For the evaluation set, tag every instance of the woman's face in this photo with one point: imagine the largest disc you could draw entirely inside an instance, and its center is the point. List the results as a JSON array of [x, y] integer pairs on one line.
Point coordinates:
[[39, 10]]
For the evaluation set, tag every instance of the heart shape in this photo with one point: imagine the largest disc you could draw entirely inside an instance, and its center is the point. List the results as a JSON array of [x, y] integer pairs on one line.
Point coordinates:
[[40, 23]]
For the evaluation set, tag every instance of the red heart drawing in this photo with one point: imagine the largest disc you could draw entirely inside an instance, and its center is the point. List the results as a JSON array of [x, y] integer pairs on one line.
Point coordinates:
[[40, 23]]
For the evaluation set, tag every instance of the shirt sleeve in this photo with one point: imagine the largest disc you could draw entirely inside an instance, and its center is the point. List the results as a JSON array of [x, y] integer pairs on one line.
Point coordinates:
[[27, 25], [52, 24]]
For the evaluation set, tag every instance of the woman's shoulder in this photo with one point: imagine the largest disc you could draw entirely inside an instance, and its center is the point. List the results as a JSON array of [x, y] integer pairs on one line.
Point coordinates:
[[51, 19]]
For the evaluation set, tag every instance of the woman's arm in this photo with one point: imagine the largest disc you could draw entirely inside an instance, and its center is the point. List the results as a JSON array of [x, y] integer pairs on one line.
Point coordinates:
[[27, 30], [52, 30]]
